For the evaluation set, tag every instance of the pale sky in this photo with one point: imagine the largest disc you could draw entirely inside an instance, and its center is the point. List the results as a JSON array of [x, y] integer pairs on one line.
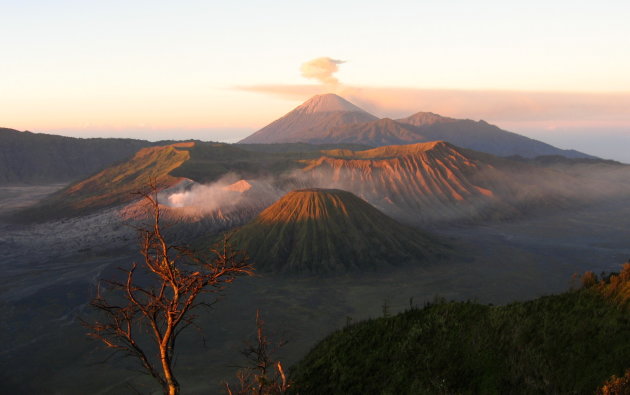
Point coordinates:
[[216, 70]]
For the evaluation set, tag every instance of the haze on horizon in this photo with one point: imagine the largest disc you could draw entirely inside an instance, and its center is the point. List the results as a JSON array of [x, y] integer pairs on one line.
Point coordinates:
[[216, 71]]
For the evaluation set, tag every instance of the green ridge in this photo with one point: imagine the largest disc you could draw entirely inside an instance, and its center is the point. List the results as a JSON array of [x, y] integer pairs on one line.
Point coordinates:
[[568, 343]]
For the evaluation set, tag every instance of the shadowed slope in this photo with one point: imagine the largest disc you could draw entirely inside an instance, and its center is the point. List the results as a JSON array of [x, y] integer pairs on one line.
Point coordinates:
[[375, 133], [28, 158], [563, 344], [481, 136], [326, 231], [425, 127]]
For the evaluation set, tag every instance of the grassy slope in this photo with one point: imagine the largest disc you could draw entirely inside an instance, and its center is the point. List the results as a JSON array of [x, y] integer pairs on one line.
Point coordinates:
[[199, 161], [326, 231], [299, 147], [210, 161], [114, 185], [568, 343]]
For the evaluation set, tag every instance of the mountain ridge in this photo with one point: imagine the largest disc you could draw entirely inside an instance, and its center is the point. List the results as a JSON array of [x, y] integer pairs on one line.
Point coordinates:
[[476, 348], [352, 125], [32, 158]]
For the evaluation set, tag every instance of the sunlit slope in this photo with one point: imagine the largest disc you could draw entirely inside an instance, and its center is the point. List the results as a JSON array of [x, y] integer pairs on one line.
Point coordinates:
[[330, 231], [114, 185], [426, 181], [422, 183], [308, 121], [563, 344], [198, 161]]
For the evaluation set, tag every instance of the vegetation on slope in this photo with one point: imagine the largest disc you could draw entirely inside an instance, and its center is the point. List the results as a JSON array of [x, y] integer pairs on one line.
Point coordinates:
[[202, 162], [114, 185], [210, 161], [567, 343], [327, 231], [299, 147]]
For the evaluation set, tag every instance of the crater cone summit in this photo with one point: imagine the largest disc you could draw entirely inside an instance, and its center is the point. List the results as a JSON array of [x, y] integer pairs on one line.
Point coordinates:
[[320, 231], [310, 120]]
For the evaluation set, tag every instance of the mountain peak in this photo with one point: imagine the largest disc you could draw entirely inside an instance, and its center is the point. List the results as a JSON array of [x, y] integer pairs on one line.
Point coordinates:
[[425, 118], [328, 102], [330, 230], [311, 119]]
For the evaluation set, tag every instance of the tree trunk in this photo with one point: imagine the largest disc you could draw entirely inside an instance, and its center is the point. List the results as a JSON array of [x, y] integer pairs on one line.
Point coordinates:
[[171, 387]]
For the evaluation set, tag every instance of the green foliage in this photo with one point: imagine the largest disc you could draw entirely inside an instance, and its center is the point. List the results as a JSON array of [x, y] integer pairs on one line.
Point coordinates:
[[568, 343]]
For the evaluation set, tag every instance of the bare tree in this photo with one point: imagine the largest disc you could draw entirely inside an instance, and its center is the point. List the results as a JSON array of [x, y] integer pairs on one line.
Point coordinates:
[[166, 303], [264, 376]]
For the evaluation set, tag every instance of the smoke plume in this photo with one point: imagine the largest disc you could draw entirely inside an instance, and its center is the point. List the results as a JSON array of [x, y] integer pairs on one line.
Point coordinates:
[[209, 197], [226, 195], [322, 70]]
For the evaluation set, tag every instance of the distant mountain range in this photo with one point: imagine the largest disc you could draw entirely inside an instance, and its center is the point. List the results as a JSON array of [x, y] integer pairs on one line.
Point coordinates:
[[31, 158], [324, 121], [416, 183], [328, 118], [167, 165], [419, 183]]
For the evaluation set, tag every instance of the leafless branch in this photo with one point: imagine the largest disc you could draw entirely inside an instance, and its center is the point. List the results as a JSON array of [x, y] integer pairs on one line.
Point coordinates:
[[164, 306]]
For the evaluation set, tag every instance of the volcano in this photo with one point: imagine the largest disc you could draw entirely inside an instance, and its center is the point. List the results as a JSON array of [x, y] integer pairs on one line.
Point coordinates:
[[323, 231], [310, 120], [330, 119], [417, 183], [482, 136]]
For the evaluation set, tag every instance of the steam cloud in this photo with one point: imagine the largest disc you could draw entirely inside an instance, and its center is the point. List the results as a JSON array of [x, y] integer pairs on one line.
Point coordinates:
[[228, 194], [322, 70], [515, 189], [209, 197]]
